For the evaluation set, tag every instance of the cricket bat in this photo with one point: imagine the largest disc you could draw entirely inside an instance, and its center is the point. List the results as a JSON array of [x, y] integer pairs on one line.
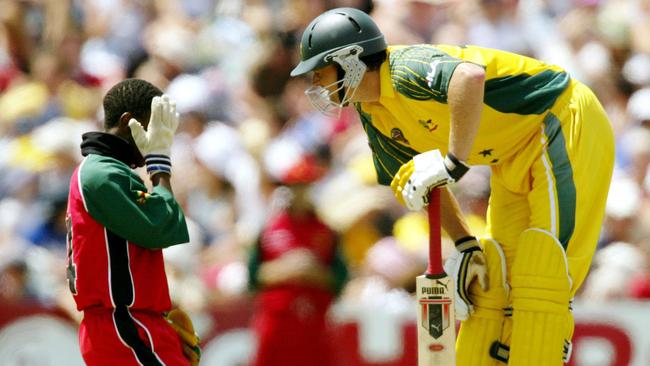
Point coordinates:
[[436, 322]]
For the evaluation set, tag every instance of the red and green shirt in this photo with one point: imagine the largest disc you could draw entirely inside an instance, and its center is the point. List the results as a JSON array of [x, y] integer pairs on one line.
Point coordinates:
[[116, 232]]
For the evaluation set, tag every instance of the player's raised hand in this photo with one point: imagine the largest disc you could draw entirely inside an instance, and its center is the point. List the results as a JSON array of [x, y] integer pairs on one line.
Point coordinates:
[[156, 141]]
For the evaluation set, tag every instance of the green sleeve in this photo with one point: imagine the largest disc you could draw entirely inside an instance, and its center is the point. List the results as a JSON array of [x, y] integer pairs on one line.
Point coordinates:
[[117, 198], [254, 263], [387, 155], [339, 270], [422, 72]]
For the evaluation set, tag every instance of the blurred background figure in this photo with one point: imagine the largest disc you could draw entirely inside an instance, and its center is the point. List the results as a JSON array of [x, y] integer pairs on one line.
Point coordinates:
[[297, 270], [621, 257]]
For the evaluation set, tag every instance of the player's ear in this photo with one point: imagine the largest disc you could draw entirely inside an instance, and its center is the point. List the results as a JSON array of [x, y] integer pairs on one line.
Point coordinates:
[[124, 120]]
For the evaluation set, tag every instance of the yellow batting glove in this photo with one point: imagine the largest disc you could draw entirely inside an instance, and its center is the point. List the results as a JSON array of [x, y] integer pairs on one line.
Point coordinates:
[[400, 179], [182, 325]]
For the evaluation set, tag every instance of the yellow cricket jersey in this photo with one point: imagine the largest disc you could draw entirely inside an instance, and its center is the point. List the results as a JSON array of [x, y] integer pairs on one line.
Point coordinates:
[[412, 114]]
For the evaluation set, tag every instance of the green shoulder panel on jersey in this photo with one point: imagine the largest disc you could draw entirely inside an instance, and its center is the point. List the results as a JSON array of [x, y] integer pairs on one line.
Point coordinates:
[[422, 72], [526, 94], [387, 155], [118, 199]]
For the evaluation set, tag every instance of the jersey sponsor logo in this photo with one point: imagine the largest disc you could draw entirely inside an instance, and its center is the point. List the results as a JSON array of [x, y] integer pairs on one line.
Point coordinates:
[[428, 124], [397, 135]]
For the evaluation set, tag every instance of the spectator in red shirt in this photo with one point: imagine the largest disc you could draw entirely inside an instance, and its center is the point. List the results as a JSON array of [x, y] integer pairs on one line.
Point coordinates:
[[297, 269]]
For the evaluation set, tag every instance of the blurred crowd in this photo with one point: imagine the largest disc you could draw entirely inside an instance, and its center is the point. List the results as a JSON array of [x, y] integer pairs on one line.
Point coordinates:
[[245, 124]]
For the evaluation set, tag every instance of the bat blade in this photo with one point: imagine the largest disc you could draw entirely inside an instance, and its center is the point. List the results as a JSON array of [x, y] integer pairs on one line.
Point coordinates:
[[436, 322]]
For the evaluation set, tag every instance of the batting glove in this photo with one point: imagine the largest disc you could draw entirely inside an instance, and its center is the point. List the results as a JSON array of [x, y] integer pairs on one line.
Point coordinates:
[[182, 325], [155, 143], [416, 178], [464, 265]]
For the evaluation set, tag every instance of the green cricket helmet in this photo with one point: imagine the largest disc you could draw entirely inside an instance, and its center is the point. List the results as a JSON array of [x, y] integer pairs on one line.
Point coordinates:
[[333, 31], [338, 36]]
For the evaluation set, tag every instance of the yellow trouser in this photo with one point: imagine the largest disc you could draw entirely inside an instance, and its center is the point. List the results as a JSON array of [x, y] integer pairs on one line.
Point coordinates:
[[558, 186]]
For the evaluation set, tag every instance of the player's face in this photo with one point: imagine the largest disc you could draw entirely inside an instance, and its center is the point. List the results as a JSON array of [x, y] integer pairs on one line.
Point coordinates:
[[326, 78]]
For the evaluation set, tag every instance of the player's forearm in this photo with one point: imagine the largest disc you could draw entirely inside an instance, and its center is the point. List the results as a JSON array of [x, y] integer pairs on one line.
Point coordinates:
[[273, 273], [465, 99], [162, 179], [453, 221], [319, 277], [276, 272]]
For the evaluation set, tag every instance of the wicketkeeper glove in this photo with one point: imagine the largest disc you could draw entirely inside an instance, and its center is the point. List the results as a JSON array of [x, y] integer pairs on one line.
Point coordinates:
[[155, 143], [466, 263], [182, 324], [415, 179]]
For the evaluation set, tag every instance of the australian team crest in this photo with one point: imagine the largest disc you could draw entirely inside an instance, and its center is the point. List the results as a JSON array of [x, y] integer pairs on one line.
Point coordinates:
[[397, 135], [435, 314]]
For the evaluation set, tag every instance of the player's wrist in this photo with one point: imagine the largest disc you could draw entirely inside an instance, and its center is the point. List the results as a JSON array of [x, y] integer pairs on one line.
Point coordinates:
[[157, 163], [455, 167], [467, 244]]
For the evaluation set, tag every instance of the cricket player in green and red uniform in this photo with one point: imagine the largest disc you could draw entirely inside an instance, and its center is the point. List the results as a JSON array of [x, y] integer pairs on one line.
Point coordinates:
[[298, 270], [117, 229]]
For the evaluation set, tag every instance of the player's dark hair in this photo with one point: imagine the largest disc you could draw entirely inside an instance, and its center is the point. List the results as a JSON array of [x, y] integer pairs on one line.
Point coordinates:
[[130, 95], [374, 61]]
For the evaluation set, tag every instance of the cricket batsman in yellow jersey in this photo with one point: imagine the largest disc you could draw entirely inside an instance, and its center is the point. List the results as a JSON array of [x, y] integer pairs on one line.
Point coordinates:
[[433, 111]]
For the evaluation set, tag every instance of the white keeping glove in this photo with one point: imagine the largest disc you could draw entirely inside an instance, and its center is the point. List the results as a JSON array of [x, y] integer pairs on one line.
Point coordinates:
[[429, 172], [465, 264], [155, 143]]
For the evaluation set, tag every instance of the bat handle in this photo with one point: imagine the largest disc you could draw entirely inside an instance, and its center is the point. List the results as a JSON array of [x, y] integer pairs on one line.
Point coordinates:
[[435, 250]]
